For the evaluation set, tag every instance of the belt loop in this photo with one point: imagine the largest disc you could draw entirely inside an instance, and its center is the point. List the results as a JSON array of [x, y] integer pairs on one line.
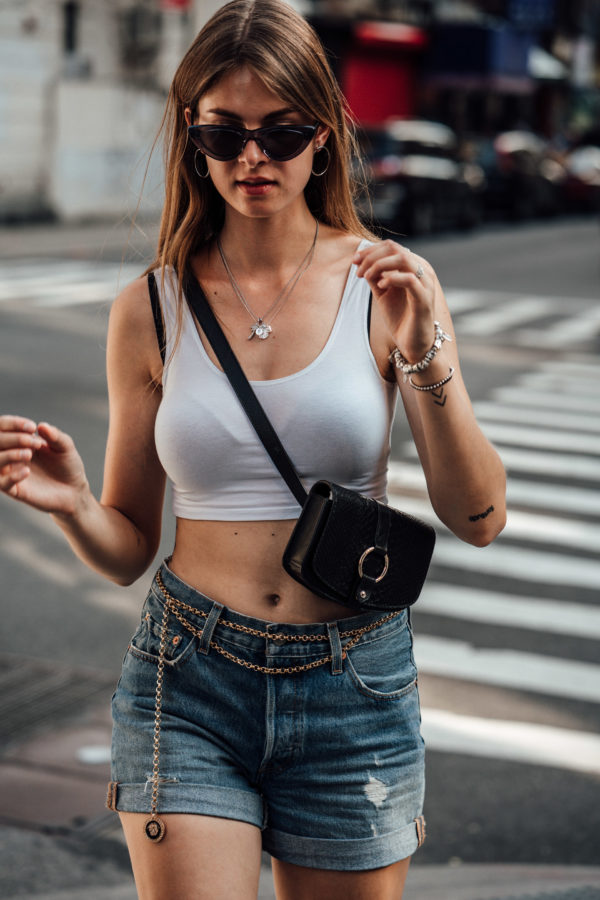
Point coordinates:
[[209, 627], [337, 665]]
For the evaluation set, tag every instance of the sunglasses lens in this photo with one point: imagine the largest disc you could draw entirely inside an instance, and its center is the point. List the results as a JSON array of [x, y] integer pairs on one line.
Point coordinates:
[[220, 143], [284, 143]]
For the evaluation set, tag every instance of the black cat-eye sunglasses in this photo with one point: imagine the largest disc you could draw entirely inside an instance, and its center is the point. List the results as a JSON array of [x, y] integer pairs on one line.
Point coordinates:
[[226, 142]]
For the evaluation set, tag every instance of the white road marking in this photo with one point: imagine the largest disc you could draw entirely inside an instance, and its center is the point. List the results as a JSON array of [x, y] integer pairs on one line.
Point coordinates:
[[521, 396], [494, 608], [537, 494], [504, 316], [500, 560], [570, 330], [545, 438], [583, 365], [460, 301], [546, 418], [508, 668], [567, 467], [562, 382], [578, 751], [521, 525], [66, 283]]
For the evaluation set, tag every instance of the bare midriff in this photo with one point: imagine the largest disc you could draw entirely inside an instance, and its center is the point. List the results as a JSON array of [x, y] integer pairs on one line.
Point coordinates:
[[239, 565]]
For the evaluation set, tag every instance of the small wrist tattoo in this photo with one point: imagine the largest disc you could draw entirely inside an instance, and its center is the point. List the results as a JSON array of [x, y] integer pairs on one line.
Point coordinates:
[[439, 397], [482, 515]]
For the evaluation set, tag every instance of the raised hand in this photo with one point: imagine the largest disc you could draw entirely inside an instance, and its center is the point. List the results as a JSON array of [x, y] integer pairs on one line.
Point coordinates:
[[40, 466], [404, 286]]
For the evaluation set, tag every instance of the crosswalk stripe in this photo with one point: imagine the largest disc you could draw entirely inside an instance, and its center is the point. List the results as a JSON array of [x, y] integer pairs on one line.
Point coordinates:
[[523, 742], [502, 561], [504, 316], [520, 396], [521, 525], [567, 467], [537, 494], [507, 668], [460, 301], [546, 418], [557, 497], [546, 438], [570, 330], [584, 365], [494, 608], [562, 382], [69, 284]]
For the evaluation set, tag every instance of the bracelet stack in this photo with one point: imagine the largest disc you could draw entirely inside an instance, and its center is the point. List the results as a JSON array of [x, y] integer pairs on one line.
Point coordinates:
[[407, 368], [432, 387]]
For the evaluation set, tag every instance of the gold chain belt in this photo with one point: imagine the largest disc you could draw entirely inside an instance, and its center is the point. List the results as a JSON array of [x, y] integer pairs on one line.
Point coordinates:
[[154, 826]]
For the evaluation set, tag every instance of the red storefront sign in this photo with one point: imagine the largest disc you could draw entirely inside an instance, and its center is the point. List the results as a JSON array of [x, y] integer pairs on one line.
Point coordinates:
[[379, 73]]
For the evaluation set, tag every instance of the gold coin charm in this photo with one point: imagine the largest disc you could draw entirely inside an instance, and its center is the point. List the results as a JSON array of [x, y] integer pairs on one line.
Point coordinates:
[[155, 829]]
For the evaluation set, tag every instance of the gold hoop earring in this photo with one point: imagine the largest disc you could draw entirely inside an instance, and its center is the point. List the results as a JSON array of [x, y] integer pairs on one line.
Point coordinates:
[[200, 174], [318, 150]]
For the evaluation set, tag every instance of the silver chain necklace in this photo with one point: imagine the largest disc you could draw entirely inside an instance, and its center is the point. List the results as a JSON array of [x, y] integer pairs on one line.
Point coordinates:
[[260, 328]]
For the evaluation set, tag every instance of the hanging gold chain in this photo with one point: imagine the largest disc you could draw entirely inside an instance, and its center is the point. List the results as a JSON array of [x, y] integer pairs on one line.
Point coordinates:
[[154, 827]]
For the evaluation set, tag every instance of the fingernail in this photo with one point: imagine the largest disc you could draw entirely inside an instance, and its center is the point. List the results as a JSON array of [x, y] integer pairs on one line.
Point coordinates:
[[29, 426]]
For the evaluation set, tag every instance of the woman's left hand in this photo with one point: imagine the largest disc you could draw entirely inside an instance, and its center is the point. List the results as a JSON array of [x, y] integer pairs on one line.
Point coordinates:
[[403, 284]]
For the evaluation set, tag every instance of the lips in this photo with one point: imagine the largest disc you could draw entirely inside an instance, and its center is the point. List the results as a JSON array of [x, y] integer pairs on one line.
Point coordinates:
[[255, 186]]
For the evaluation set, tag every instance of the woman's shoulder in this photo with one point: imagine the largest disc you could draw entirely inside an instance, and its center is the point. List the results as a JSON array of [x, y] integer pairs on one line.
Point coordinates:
[[132, 304], [341, 245]]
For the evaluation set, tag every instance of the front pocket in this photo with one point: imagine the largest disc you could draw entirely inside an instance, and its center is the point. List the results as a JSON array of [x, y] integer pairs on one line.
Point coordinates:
[[383, 668], [145, 643]]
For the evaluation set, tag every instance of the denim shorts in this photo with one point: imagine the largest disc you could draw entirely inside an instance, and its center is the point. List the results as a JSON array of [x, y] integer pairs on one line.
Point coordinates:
[[328, 762]]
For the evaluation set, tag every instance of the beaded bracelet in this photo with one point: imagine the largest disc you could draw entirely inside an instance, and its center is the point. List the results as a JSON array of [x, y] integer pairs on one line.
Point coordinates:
[[432, 387], [411, 369]]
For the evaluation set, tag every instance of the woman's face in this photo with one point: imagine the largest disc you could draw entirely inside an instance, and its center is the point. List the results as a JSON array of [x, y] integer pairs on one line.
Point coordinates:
[[252, 184]]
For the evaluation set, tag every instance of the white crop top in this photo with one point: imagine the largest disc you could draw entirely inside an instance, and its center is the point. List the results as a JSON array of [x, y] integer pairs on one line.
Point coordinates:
[[333, 417]]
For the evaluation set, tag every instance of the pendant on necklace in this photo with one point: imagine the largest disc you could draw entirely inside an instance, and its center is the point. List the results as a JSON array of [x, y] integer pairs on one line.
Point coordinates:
[[260, 330]]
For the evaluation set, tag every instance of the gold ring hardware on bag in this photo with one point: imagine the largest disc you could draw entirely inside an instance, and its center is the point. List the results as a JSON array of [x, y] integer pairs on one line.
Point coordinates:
[[386, 563]]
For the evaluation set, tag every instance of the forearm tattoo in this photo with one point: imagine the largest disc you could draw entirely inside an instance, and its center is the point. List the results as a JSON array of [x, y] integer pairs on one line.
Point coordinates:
[[439, 397], [482, 515]]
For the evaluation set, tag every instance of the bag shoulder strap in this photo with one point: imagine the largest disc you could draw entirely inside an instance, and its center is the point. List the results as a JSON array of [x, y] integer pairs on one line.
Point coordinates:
[[240, 384], [157, 313]]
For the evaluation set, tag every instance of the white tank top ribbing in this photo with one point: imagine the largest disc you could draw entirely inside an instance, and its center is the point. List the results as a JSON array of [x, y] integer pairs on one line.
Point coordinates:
[[334, 418]]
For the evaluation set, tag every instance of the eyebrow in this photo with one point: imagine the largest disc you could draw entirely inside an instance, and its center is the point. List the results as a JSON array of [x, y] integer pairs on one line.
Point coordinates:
[[276, 114]]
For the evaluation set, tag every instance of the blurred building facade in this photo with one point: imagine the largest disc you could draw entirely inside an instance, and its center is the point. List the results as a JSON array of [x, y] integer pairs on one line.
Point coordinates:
[[83, 82]]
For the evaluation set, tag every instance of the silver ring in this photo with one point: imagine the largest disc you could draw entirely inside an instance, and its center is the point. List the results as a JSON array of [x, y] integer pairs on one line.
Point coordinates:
[[420, 271]]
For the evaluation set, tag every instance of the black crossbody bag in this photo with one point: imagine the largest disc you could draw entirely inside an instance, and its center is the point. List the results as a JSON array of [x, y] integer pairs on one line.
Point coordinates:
[[344, 547]]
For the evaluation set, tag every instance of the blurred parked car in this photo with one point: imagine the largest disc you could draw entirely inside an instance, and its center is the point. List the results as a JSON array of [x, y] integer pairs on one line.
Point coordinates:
[[418, 183], [582, 182], [523, 178]]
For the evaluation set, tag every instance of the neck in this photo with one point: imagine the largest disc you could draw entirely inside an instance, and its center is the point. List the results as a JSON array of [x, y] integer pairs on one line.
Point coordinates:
[[273, 244]]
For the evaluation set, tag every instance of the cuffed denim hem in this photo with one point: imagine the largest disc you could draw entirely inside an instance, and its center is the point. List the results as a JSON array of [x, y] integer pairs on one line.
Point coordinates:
[[200, 799], [358, 854]]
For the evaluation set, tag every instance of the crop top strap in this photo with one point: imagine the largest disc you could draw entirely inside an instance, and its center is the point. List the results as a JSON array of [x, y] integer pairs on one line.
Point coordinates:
[[157, 313]]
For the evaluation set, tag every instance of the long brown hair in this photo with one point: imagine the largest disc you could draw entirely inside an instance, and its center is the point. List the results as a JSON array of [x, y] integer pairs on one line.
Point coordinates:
[[273, 40]]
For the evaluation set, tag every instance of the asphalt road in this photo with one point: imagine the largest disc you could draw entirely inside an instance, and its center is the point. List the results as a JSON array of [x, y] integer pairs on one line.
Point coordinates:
[[506, 637]]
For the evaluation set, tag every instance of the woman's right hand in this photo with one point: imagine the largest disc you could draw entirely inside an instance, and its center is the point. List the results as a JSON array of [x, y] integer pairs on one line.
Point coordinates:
[[40, 466]]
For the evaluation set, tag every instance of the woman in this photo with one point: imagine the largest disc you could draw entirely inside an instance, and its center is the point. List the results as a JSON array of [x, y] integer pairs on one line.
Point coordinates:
[[240, 721]]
